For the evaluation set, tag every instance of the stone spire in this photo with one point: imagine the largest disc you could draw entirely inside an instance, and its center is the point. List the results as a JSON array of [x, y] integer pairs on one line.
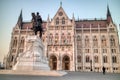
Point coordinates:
[[73, 18], [61, 4], [48, 19], [109, 18], [20, 19], [108, 11]]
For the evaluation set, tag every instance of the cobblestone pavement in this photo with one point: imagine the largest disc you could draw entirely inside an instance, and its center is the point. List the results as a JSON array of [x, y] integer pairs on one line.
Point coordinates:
[[69, 76]]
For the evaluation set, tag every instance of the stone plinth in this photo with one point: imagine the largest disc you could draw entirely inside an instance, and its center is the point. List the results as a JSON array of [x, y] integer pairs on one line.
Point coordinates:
[[33, 57]]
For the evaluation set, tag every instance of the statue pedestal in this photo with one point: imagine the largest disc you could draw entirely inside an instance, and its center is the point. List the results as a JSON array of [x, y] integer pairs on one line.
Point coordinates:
[[33, 58], [29, 65]]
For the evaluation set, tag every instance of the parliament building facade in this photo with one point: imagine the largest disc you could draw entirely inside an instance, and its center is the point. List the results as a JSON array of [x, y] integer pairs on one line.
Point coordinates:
[[74, 45]]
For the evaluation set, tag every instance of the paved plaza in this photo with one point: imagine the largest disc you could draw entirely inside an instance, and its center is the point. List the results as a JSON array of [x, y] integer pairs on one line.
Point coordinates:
[[69, 76]]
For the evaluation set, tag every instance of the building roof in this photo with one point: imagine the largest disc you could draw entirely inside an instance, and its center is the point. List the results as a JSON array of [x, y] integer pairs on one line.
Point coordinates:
[[28, 25], [94, 23]]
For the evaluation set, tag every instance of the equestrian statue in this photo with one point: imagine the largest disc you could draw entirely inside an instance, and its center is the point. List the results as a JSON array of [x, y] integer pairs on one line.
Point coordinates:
[[37, 24]]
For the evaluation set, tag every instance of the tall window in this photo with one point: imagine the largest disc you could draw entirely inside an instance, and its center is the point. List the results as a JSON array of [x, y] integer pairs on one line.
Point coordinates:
[[78, 38], [51, 38], [112, 41], [57, 21], [20, 50], [12, 58], [86, 41], [22, 42], [63, 20], [113, 50], [13, 50], [103, 41], [15, 42], [96, 59], [104, 50], [63, 38], [87, 50], [79, 41], [95, 41], [105, 59], [87, 59], [79, 59], [56, 38], [95, 50], [114, 59], [69, 37]]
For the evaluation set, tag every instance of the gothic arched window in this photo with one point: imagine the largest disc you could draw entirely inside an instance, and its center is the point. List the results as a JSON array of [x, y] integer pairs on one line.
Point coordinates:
[[114, 59], [57, 21], [22, 42], [69, 37], [105, 59], [51, 38], [63, 38], [95, 41], [87, 59], [63, 20], [103, 41], [86, 41], [96, 59], [112, 40], [12, 58], [56, 38], [78, 58], [78, 38], [15, 42]]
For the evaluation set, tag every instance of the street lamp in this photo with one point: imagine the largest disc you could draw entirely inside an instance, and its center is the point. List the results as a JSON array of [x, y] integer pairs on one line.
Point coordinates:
[[91, 65]]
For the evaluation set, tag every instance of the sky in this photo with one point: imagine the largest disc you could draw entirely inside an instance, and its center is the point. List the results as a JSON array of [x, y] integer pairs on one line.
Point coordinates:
[[82, 9]]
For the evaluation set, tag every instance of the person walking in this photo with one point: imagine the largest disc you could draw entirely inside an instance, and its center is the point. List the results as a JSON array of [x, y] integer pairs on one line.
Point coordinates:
[[103, 70]]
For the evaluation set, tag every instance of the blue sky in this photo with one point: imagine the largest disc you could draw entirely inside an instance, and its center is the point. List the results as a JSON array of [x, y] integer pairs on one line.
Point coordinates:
[[84, 9]]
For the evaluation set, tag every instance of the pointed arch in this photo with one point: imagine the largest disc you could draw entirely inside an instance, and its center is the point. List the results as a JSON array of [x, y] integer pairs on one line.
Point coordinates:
[[87, 41], [96, 59], [63, 39], [66, 62], [69, 37], [56, 38], [112, 40], [51, 38], [57, 21], [103, 41], [78, 38], [114, 59], [22, 42], [105, 59], [87, 59], [95, 41], [15, 41], [79, 58], [53, 62], [63, 20]]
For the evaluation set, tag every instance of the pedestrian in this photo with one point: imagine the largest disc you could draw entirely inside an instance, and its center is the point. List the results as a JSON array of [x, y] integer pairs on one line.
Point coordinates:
[[103, 70]]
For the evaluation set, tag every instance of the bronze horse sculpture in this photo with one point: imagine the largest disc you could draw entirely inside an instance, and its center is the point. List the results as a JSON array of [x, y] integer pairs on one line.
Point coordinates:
[[37, 24]]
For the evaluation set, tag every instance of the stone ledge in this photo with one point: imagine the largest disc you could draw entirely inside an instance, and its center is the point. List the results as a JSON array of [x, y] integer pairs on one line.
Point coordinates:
[[35, 72]]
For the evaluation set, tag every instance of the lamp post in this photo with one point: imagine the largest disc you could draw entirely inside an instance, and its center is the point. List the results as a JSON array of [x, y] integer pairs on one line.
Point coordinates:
[[91, 65]]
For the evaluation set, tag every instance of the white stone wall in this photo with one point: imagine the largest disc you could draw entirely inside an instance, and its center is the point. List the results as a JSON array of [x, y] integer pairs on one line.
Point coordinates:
[[109, 65]]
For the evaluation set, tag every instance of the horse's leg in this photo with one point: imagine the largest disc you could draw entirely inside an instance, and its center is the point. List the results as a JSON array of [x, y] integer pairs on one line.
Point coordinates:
[[40, 34], [35, 32]]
